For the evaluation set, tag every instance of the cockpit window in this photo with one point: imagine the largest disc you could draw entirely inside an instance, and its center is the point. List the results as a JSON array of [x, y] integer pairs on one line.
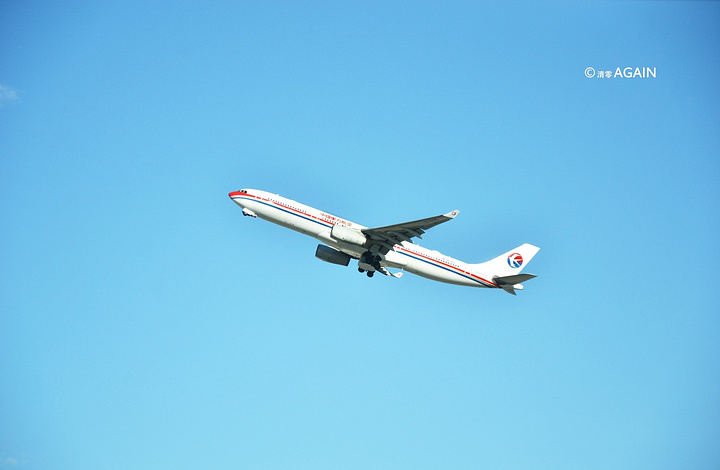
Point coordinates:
[[243, 191]]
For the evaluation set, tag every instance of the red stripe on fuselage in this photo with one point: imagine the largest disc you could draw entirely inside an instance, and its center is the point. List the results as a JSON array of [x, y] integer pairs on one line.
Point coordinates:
[[275, 203], [453, 268]]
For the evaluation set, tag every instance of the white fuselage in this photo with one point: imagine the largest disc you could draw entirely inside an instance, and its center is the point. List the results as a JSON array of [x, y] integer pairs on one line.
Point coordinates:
[[318, 224]]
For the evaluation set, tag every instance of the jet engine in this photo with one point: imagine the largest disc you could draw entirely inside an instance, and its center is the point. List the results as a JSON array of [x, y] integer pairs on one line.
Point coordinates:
[[347, 234], [331, 255]]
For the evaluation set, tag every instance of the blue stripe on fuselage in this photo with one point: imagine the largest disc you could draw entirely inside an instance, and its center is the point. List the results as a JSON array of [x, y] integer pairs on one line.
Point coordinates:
[[431, 263]]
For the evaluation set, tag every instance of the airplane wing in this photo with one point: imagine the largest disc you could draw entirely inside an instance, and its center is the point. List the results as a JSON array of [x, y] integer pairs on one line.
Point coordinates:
[[389, 235]]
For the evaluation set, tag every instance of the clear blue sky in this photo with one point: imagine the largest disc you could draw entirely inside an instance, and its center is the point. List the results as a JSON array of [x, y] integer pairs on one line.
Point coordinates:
[[144, 323]]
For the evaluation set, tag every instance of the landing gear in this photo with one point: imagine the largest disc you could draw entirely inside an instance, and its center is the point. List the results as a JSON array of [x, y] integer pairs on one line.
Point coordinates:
[[371, 260], [369, 263]]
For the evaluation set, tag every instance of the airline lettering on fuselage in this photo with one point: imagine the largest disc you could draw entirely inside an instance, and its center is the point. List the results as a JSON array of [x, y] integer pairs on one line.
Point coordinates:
[[335, 220]]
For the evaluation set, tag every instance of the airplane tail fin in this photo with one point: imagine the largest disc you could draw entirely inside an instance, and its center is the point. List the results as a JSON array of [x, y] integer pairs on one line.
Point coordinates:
[[505, 269]]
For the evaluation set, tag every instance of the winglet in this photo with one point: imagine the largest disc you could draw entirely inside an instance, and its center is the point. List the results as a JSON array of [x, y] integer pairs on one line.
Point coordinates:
[[451, 215]]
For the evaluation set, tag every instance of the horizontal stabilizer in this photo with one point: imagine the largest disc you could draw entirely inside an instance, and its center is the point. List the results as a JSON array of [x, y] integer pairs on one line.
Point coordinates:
[[510, 283], [516, 279]]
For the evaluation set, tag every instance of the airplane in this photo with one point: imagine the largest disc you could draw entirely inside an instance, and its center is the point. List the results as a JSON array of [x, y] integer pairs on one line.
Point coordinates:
[[390, 246]]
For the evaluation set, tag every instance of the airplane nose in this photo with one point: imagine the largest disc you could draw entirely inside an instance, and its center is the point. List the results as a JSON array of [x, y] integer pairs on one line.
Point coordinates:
[[234, 197]]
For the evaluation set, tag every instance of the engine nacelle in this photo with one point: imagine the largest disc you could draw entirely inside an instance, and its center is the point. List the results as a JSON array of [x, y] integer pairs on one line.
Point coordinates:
[[331, 255], [347, 234]]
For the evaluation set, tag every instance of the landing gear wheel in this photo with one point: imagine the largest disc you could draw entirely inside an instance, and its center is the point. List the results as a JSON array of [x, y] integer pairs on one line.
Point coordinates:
[[361, 270], [370, 273]]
